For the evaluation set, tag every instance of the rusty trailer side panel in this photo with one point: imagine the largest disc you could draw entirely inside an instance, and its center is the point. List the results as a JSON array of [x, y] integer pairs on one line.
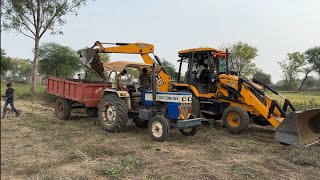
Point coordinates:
[[87, 93]]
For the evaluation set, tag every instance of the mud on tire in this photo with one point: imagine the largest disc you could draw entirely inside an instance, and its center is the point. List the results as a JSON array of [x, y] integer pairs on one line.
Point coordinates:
[[113, 113]]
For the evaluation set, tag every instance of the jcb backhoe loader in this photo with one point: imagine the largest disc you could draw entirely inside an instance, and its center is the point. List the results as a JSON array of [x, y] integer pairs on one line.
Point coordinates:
[[220, 93]]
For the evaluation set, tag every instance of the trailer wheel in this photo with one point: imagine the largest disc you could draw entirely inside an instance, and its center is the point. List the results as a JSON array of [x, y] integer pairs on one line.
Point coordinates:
[[63, 109], [140, 123], [191, 131], [92, 112], [113, 113], [159, 128], [236, 119]]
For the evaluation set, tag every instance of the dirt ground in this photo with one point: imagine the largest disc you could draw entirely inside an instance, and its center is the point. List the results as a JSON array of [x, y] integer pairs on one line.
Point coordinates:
[[36, 145]]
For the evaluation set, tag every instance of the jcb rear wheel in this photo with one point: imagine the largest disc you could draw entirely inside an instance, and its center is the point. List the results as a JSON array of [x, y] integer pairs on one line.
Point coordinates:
[[236, 119], [191, 131]]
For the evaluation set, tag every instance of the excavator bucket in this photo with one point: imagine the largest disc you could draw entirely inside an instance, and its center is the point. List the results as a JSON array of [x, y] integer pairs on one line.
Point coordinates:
[[300, 128], [90, 58]]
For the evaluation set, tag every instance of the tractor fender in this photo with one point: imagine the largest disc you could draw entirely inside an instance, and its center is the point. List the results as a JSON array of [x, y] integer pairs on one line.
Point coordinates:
[[124, 95]]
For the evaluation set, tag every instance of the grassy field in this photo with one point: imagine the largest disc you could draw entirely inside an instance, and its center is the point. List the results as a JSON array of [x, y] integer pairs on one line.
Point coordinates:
[[37, 145], [301, 100]]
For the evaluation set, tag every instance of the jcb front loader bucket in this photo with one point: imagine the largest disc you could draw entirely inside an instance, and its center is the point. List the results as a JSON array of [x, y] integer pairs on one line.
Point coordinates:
[[300, 128]]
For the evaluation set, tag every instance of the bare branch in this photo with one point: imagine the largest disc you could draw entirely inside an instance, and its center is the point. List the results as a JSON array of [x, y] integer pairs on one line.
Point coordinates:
[[25, 34], [52, 18]]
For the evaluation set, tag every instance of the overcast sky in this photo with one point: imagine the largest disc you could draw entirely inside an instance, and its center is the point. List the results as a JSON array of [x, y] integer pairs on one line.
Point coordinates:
[[275, 27]]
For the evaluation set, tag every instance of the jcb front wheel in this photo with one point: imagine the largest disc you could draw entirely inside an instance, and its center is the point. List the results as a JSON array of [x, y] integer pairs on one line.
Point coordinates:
[[191, 131], [113, 113], [159, 128], [236, 119]]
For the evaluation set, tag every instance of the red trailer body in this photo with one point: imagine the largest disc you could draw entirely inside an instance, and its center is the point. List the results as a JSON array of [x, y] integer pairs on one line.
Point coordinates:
[[80, 91]]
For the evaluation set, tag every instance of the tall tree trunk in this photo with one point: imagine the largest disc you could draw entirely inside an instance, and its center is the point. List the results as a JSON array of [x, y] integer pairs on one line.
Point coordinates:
[[290, 85], [305, 78], [35, 64]]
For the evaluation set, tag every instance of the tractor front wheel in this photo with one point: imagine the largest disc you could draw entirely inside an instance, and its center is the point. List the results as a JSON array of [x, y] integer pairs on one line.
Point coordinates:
[[159, 128], [191, 131], [236, 119]]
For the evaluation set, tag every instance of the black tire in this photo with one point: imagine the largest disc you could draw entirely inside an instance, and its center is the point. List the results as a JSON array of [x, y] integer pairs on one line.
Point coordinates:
[[236, 119], [113, 113], [190, 131], [92, 112], [63, 109], [261, 121], [159, 128], [140, 123]]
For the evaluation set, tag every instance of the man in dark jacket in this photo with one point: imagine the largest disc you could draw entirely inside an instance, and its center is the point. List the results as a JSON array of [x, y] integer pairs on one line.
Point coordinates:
[[8, 97]]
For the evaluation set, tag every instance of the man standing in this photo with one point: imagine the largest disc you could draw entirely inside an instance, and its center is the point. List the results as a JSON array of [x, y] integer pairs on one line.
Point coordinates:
[[8, 97], [144, 80]]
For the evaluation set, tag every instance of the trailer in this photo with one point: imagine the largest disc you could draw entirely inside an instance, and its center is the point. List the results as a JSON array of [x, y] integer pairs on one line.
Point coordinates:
[[75, 93]]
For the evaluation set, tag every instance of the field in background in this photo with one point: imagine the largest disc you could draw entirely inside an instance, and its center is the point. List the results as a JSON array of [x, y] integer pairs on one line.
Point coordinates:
[[302, 100], [39, 146]]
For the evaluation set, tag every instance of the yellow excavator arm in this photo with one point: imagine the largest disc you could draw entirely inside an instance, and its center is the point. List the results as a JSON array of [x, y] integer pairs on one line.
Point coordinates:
[[90, 58]]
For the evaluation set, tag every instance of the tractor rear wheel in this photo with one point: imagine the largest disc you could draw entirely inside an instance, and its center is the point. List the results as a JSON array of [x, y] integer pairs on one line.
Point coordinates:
[[63, 109], [159, 128], [113, 113], [236, 119], [191, 131], [140, 123]]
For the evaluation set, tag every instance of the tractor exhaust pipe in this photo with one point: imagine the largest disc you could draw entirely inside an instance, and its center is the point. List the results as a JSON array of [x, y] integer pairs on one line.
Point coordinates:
[[300, 128]]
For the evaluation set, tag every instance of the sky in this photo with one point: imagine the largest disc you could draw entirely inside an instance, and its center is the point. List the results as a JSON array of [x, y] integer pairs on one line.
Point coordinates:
[[275, 27]]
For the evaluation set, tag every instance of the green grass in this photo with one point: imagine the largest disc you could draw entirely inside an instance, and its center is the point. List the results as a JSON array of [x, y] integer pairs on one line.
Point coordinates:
[[301, 100]]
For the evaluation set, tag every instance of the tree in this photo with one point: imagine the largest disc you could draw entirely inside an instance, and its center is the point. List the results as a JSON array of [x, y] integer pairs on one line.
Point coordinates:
[[33, 18], [57, 60], [312, 57], [6, 63], [20, 68], [291, 67], [263, 77], [132, 74], [241, 56], [169, 67]]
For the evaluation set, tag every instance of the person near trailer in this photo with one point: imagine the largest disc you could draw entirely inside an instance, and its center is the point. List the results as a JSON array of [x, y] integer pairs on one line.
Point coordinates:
[[8, 97]]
